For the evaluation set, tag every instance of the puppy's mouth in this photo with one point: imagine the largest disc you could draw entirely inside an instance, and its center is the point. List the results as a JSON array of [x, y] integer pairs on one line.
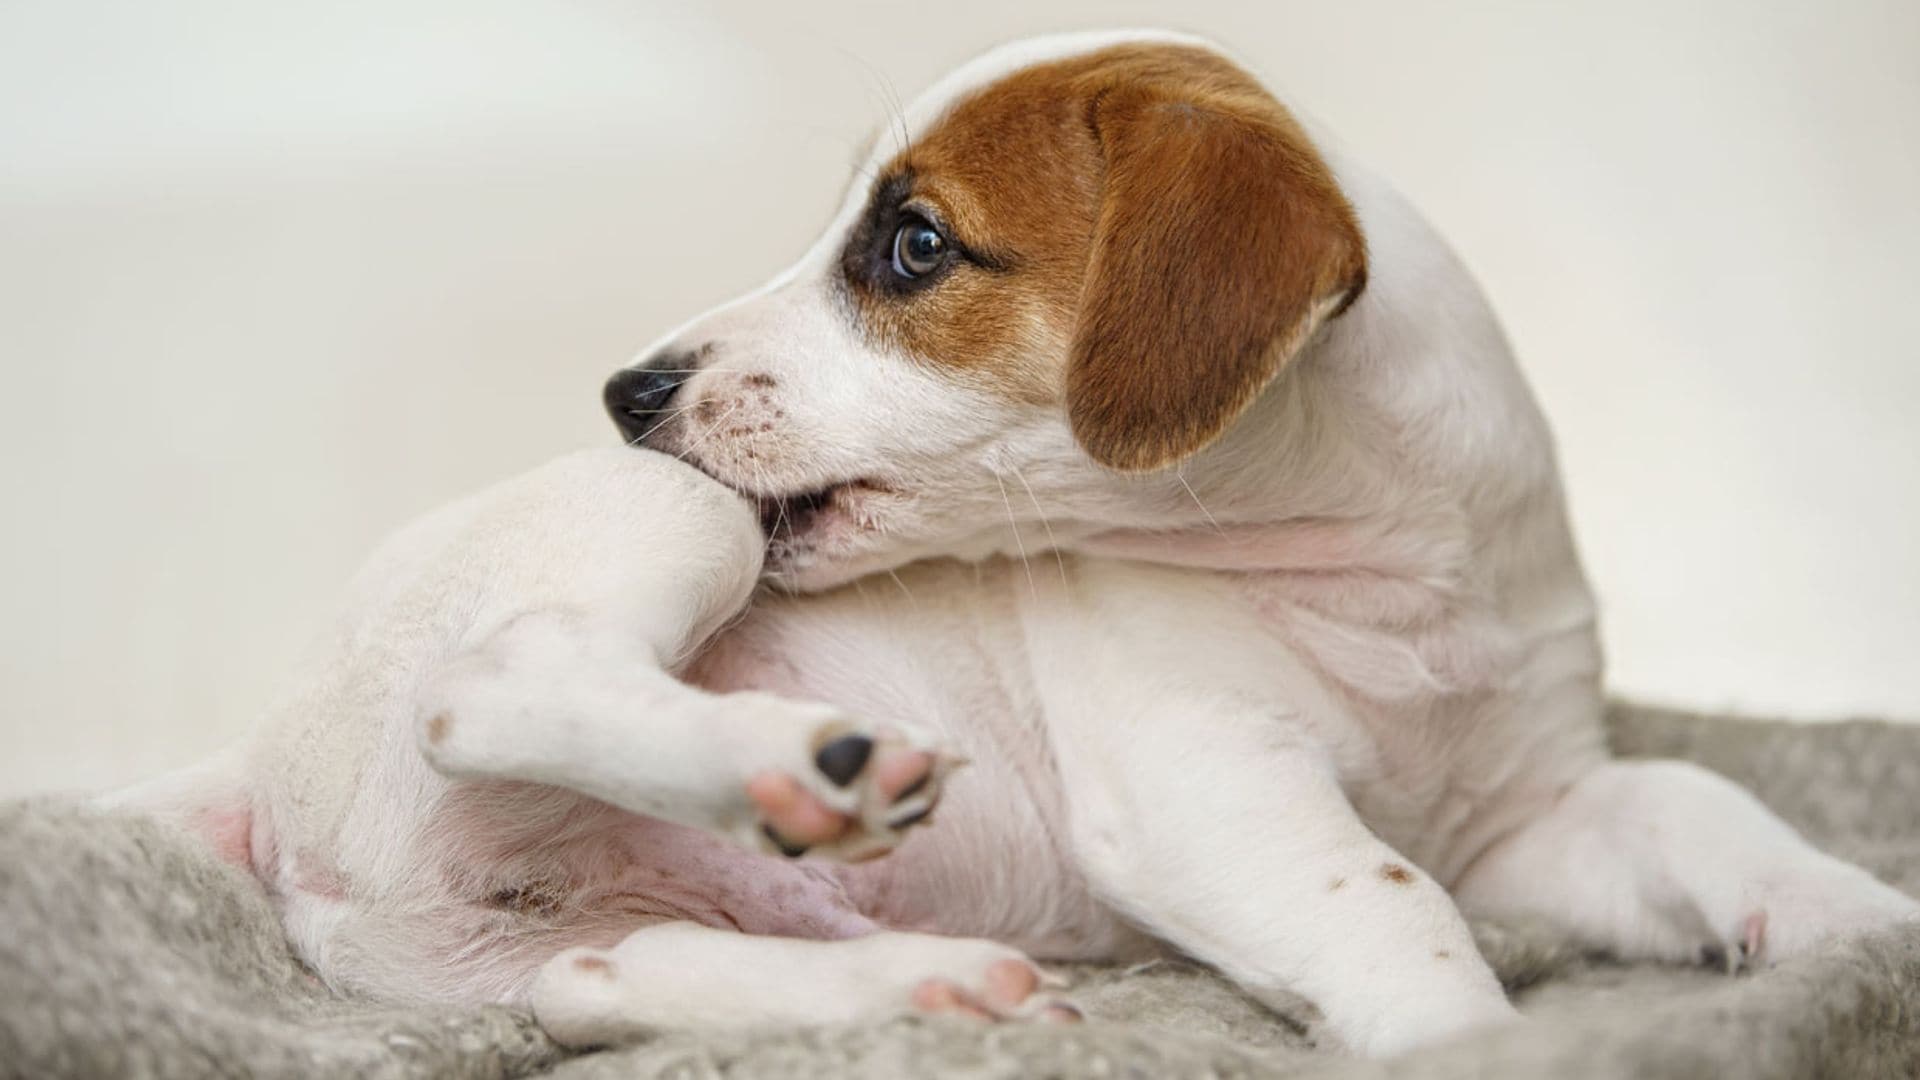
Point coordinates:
[[783, 516], [787, 517]]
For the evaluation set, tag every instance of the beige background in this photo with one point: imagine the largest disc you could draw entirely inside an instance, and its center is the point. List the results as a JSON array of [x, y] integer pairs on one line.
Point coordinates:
[[275, 276]]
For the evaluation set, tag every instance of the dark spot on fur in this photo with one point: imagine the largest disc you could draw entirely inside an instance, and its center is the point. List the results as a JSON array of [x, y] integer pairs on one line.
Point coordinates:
[[437, 728], [1442, 954], [529, 898], [1396, 873], [1336, 884], [760, 379]]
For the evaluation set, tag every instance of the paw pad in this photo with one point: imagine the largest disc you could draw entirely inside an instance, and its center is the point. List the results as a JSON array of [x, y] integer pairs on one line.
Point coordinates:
[[842, 759], [869, 791], [1008, 991]]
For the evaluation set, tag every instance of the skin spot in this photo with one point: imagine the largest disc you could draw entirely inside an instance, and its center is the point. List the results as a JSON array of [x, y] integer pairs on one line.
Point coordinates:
[[593, 965], [1396, 873], [1336, 884], [437, 728], [531, 898]]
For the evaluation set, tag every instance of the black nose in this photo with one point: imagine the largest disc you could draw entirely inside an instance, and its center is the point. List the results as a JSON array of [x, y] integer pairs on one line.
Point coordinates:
[[637, 397]]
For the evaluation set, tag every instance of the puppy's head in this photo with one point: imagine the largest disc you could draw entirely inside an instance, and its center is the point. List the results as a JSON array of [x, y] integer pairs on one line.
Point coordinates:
[[1086, 261]]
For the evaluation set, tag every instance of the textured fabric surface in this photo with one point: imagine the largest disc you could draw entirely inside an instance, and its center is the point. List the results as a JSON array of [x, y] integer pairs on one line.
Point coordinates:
[[127, 951]]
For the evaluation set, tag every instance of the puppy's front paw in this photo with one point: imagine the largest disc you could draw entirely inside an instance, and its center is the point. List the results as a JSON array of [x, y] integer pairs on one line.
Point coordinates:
[[857, 801]]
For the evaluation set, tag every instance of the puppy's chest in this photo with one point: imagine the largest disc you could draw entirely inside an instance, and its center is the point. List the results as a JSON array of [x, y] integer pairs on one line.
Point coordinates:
[[939, 645]]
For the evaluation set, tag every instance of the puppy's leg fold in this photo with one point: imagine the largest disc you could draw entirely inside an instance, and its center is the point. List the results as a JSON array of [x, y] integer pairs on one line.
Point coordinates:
[[682, 976], [565, 699], [1665, 860], [1204, 805], [1249, 857]]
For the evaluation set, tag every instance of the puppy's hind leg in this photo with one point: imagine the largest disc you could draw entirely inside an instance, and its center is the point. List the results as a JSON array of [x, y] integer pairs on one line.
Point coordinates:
[[1665, 860], [682, 976], [579, 702]]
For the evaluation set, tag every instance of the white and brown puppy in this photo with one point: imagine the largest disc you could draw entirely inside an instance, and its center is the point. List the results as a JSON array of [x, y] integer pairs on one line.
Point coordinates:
[[1215, 525]]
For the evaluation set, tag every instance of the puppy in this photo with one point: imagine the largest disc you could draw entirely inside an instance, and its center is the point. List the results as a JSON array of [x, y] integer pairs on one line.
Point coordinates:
[[1120, 437]]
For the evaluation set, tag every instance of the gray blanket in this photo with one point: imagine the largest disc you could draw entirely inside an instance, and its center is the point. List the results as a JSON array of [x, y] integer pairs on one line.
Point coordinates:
[[126, 951]]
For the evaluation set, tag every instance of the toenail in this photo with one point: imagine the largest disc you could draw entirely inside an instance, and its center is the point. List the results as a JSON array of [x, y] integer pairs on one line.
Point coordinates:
[[914, 788], [843, 758], [791, 851], [910, 820]]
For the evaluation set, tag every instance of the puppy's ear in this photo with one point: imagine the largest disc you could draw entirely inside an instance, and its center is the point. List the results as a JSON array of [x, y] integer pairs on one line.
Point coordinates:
[[1222, 242]]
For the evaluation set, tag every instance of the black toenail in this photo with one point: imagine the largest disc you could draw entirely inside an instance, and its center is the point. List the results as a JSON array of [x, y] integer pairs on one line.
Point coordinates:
[[843, 758], [912, 819], [791, 851], [913, 788]]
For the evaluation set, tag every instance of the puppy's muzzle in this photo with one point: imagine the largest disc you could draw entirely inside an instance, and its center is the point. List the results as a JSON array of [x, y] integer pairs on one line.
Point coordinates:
[[639, 398]]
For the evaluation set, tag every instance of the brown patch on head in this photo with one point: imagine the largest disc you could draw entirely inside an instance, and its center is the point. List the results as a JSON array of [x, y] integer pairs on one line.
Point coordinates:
[[437, 728], [1141, 233], [1396, 873]]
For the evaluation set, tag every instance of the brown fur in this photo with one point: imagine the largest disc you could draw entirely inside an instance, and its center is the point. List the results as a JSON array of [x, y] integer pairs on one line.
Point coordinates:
[[1160, 237]]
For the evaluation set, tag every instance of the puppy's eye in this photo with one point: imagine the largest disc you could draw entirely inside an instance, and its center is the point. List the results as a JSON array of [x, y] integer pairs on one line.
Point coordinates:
[[918, 249]]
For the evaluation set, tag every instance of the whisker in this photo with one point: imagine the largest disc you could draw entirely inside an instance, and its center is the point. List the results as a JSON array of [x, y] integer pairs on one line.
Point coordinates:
[[1018, 543], [1052, 541], [1198, 503], [760, 484], [640, 438], [911, 599], [711, 428], [689, 370], [889, 99]]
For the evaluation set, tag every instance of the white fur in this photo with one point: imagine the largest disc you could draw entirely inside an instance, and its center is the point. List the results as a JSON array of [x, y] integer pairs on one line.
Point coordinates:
[[1268, 707]]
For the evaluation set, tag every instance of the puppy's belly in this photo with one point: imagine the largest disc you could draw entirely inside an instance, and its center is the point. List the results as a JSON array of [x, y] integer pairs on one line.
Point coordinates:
[[939, 653]]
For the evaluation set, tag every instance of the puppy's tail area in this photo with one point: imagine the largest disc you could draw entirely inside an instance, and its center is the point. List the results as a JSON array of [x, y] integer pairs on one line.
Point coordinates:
[[210, 799]]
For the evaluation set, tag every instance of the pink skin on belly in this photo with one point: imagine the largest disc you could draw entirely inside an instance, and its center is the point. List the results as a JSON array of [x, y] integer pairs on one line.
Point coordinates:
[[532, 848]]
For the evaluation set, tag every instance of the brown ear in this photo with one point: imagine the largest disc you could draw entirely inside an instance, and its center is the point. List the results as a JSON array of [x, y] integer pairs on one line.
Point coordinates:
[[1221, 243]]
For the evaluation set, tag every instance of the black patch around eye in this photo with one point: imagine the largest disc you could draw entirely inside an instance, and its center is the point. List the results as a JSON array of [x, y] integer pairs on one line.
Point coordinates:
[[867, 261]]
